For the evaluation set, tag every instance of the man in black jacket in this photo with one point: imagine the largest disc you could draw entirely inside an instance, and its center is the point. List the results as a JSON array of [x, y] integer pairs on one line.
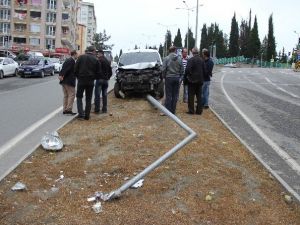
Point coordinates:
[[101, 84], [87, 69], [194, 73], [68, 81]]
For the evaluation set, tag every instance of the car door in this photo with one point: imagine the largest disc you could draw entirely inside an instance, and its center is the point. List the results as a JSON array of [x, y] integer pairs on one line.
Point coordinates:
[[6, 67]]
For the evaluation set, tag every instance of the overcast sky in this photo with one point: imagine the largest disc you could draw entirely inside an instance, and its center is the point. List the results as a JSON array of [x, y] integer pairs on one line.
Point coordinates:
[[131, 22]]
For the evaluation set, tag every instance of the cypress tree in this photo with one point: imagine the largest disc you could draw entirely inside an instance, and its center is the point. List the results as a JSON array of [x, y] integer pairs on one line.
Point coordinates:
[[234, 38], [271, 48], [254, 43], [203, 42], [191, 38], [178, 39]]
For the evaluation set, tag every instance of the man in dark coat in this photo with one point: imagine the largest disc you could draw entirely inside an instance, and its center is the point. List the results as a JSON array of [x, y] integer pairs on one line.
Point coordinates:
[[194, 73], [209, 65], [87, 69], [101, 84], [68, 81]]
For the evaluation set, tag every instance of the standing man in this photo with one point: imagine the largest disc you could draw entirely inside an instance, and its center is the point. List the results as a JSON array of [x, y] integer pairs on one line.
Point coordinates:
[[209, 65], [172, 71], [68, 81], [87, 69], [194, 77], [101, 84], [185, 86]]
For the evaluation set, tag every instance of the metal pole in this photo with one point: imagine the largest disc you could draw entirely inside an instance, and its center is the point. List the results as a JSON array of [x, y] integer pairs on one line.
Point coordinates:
[[187, 36], [117, 193], [196, 31]]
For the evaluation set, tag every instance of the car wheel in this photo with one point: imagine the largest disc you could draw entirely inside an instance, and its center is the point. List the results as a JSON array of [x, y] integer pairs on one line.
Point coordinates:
[[42, 74], [1, 74], [117, 90], [160, 90], [16, 72]]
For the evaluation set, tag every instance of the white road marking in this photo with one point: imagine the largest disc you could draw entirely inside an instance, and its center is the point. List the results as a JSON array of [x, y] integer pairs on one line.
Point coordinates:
[[12, 142], [285, 156], [281, 89]]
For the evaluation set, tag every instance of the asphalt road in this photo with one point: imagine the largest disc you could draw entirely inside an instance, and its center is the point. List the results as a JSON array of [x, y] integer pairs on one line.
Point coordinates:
[[29, 108], [262, 107]]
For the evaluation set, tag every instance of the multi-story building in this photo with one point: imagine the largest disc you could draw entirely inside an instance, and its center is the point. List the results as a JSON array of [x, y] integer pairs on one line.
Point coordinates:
[[38, 24], [81, 38], [86, 16]]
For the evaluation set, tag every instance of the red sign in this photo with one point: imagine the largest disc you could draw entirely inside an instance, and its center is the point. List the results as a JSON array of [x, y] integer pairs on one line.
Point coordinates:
[[62, 50]]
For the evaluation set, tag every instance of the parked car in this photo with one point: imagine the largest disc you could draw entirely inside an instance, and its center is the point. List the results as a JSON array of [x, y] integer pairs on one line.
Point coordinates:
[[57, 64], [8, 67], [6, 53], [139, 71], [36, 68]]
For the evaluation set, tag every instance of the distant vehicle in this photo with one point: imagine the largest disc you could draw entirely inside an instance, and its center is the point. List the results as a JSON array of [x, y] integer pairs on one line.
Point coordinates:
[[36, 68], [9, 54], [34, 55], [139, 71], [8, 67], [57, 64]]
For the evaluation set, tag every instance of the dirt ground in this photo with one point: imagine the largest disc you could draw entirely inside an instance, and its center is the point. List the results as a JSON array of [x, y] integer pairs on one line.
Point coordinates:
[[213, 180]]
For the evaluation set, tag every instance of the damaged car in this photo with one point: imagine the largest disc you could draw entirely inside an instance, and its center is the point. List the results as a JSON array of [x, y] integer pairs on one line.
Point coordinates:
[[139, 71]]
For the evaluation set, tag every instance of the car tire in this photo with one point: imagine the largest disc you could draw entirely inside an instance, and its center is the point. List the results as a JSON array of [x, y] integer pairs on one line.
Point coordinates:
[[160, 90], [117, 89], [42, 74], [1, 75], [16, 72]]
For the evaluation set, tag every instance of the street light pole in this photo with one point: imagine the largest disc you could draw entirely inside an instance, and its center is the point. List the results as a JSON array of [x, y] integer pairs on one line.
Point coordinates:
[[196, 31]]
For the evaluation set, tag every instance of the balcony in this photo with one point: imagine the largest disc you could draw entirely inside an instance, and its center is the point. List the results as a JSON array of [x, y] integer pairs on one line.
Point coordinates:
[[65, 22], [35, 6], [21, 7], [50, 35], [20, 31], [6, 19]]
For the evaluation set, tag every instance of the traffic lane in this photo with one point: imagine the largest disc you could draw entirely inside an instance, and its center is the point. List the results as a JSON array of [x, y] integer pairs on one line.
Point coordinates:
[[276, 118], [25, 106], [13, 83]]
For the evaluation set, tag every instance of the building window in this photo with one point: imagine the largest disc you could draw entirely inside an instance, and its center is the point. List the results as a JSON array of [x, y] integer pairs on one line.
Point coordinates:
[[5, 2], [5, 28], [65, 16], [4, 14], [51, 4], [34, 41], [35, 15], [36, 28], [50, 42], [19, 40], [20, 27], [50, 30], [51, 17]]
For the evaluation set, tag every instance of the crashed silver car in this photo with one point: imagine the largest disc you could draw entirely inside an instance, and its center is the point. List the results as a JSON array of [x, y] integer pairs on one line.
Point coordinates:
[[139, 71]]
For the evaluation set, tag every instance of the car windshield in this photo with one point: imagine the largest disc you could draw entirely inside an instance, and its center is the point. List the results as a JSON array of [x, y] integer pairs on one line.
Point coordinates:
[[138, 57], [32, 62]]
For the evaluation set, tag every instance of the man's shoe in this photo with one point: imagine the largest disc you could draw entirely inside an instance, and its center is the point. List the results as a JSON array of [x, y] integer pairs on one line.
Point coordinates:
[[97, 112], [206, 107], [198, 113], [86, 117], [64, 112], [104, 111], [189, 112], [70, 113]]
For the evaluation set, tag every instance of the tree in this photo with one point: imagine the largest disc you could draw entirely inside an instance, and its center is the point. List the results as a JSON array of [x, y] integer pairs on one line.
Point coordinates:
[[99, 40], [254, 43], [244, 38], [191, 38], [271, 49], [234, 38], [168, 42], [178, 39], [283, 58], [203, 42], [264, 48]]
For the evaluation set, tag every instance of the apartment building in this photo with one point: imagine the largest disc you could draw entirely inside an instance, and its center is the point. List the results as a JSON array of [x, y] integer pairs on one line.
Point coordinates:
[[86, 16], [38, 25]]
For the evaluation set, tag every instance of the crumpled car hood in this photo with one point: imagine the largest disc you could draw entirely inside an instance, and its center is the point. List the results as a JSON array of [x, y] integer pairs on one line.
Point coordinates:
[[139, 66]]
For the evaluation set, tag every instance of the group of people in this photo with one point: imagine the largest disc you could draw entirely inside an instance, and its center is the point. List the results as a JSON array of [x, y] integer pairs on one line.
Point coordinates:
[[91, 70], [195, 73]]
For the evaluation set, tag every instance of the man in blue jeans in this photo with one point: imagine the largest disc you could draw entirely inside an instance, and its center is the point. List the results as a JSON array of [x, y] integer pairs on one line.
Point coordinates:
[[172, 71], [209, 65], [101, 84]]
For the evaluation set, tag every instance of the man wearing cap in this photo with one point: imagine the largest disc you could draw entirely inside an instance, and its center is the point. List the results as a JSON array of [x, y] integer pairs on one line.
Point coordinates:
[[101, 84], [194, 73], [87, 69]]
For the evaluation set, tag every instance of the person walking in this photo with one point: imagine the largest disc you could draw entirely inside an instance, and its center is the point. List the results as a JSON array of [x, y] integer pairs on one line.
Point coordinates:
[[172, 71], [185, 86], [194, 78], [101, 84], [209, 65], [87, 69], [68, 81]]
